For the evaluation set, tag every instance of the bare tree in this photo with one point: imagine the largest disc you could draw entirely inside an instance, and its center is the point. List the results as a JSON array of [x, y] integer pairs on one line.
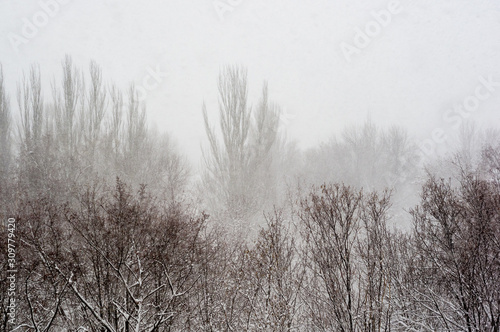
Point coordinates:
[[456, 233], [6, 148], [66, 106], [490, 163], [92, 116], [278, 275], [31, 107], [347, 253], [374, 251], [331, 226], [227, 164], [266, 145], [238, 172], [127, 267]]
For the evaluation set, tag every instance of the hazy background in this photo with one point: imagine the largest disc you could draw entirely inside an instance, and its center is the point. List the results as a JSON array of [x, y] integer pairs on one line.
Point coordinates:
[[427, 59], [370, 189]]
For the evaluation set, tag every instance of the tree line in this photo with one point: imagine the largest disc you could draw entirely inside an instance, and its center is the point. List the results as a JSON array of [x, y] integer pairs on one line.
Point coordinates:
[[113, 235]]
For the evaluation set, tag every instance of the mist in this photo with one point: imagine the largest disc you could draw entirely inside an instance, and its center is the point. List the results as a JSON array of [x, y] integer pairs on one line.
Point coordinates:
[[225, 165]]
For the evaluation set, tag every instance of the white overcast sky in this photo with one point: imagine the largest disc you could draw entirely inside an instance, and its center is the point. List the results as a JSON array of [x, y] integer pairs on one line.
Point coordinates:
[[427, 59]]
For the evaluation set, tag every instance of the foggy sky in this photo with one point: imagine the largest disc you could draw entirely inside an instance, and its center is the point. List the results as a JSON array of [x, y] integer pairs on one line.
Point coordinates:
[[430, 57]]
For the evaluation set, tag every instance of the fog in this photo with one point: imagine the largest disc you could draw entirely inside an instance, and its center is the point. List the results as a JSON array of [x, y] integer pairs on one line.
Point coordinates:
[[429, 57], [213, 153]]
